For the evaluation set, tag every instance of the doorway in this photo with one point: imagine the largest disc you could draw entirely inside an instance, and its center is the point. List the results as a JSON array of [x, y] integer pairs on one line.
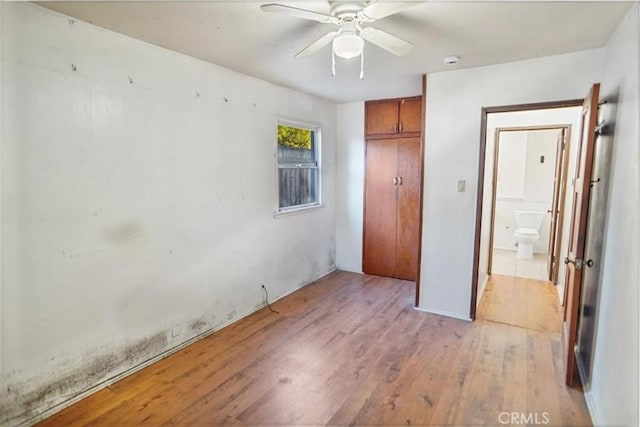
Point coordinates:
[[583, 116], [527, 207], [528, 174], [501, 121]]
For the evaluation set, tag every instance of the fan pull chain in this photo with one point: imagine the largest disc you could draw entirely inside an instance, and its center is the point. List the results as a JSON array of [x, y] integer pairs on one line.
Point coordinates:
[[333, 63], [362, 65]]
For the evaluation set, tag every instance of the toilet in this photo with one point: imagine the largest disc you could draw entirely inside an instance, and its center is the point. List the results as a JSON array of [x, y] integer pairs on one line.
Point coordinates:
[[527, 225]]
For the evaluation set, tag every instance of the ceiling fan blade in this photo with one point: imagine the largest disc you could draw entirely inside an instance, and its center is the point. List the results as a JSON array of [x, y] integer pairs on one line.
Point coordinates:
[[389, 42], [379, 9], [299, 13], [317, 45]]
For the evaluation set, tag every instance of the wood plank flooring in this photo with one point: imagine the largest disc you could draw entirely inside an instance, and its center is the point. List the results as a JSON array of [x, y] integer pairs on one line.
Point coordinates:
[[517, 301], [346, 350]]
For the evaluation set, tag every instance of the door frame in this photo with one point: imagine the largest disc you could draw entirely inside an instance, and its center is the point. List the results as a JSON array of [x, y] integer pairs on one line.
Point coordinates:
[[559, 199], [485, 111], [422, 137], [561, 127]]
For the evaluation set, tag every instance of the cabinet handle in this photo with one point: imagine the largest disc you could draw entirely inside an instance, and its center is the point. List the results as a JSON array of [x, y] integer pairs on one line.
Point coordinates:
[[400, 128], [395, 127], [395, 180], [400, 181]]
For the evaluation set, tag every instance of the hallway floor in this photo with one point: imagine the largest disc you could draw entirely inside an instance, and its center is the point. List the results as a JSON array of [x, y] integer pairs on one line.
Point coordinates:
[[526, 303], [505, 262], [349, 349]]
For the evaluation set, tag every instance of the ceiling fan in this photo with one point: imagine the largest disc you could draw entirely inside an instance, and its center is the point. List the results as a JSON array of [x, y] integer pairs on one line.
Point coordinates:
[[348, 39]]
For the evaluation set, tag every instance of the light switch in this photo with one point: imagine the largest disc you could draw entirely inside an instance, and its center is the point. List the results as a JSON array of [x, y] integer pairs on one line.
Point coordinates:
[[461, 185]]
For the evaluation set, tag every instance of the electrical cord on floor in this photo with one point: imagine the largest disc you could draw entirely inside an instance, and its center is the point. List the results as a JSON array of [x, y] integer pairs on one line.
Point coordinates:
[[266, 298]]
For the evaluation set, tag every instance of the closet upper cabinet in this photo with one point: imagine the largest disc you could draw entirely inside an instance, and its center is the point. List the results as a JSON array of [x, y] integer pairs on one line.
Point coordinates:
[[393, 117]]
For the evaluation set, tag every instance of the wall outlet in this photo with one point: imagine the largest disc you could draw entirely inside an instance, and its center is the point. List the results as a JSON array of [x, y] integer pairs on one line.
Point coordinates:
[[461, 185], [176, 329]]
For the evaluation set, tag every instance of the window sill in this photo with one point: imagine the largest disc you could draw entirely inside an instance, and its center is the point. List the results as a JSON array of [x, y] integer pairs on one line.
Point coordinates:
[[296, 211]]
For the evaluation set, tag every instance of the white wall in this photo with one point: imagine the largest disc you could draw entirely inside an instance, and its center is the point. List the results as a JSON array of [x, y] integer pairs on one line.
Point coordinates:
[[138, 191], [350, 191], [557, 116], [537, 185], [512, 161], [539, 175], [454, 103], [613, 395]]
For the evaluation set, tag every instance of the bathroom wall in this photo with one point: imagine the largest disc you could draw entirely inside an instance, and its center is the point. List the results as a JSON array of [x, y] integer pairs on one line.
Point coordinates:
[[512, 162], [138, 198], [535, 179]]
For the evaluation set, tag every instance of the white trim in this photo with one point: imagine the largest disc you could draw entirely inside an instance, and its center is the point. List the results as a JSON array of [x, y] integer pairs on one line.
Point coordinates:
[[348, 269], [592, 408], [302, 124], [117, 377], [520, 200], [297, 210], [481, 290], [505, 248], [444, 313], [316, 128], [502, 248], [510, 199], [588, 397]]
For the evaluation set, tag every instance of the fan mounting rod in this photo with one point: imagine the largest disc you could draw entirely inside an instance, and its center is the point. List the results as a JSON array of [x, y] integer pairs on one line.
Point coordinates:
[[346, 11]]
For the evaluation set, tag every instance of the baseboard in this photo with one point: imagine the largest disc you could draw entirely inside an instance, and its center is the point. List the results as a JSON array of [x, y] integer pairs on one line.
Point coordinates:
[[588, 397], [481, 290], [444, 313], [591, 407], [358, 271], [117, 377]]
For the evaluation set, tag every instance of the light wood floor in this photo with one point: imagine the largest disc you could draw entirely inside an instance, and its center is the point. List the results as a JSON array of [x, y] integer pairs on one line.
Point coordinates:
[[346, 350], [528, 303]]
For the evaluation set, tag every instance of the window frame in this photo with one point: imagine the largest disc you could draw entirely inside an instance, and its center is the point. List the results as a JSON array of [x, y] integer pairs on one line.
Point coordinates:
[[316, 128]]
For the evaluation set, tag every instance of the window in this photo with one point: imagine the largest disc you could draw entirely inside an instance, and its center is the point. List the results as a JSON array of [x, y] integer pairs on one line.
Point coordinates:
[[298, 166]]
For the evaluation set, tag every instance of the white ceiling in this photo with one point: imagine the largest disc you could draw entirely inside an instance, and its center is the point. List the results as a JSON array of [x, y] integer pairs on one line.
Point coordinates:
[[239, 36]]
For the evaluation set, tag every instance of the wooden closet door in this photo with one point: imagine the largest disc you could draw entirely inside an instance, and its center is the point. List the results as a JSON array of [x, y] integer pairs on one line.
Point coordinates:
[[379, 251], [381, 118], [410, 115], [408, 209]]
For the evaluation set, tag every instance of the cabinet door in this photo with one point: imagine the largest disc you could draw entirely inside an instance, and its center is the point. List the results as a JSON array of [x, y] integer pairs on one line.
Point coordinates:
[[379, 249], [381, 118], [408, 209], [411, 115]]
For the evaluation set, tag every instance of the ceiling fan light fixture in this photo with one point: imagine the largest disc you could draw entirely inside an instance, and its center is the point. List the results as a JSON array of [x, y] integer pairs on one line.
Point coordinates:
[[348, 45]]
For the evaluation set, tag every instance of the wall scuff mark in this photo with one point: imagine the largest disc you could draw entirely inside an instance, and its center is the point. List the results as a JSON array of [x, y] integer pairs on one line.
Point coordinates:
[[23, 400]]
